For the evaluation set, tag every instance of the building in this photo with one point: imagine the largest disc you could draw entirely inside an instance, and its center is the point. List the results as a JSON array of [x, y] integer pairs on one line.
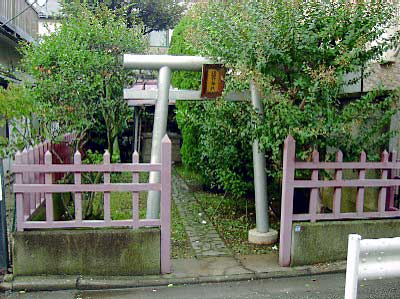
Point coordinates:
[[48, 17], [18, 22]]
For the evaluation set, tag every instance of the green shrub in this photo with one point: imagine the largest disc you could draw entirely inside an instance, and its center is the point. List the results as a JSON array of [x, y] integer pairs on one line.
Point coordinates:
[[213, 141], [298, 54]]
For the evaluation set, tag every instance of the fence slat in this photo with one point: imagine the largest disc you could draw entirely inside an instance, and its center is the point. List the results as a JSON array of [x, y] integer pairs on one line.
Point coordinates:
[[25, 180], [393, 190], [41, 175], [78, 195], [314, 195], [135, 195], [289, 157], [48, 179], [19, 197], [32, 198], [36, 175], [107, 180], [361, 190], [165, 211], [337, 193], [383, 190]]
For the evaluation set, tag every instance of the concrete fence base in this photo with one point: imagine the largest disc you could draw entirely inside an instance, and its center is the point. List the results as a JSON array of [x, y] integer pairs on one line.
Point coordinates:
[[87, 252], [326, 241]]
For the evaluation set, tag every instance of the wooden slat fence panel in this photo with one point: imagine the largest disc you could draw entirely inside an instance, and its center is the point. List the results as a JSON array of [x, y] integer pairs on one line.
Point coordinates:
[[386, 183], [30, 174], [36, 156]]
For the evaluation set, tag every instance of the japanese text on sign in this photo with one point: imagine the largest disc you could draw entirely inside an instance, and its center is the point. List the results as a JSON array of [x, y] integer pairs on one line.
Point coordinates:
[[212, 81]]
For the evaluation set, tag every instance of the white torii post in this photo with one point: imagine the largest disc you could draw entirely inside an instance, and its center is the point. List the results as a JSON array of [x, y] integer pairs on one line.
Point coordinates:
[[166, 64]]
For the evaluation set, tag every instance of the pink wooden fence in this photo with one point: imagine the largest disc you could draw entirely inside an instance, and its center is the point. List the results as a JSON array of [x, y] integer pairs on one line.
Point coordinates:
[[36, 155], [22, 187], [289, 184]]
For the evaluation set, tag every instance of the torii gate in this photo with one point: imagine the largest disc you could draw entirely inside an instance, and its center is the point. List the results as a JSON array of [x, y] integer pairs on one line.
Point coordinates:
[[165, 64]]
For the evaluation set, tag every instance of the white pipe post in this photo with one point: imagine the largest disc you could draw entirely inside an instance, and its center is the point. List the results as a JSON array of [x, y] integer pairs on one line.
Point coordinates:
[[259, 166], [353, 259], [159, 130]]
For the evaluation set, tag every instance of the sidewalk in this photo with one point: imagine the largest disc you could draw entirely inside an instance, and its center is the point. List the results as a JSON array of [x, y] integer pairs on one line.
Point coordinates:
[[185, 271]]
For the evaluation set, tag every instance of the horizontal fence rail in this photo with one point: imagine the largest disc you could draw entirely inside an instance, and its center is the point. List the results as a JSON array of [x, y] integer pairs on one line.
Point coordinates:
[[385, 183], [370, 259], [45, 185], [62, 168]]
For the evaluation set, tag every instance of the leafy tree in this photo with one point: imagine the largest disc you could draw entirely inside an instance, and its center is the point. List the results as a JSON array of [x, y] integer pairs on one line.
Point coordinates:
[[78, 74], [202, 123], [298, 53], [154, 14], [17, 109]]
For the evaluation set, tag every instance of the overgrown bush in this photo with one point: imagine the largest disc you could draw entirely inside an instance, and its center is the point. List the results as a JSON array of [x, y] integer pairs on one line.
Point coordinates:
[[213, 141], [77, 72], [298, 54]]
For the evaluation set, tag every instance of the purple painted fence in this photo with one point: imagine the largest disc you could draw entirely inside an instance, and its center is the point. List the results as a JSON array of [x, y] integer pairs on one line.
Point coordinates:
[[36, 155], [24, 187], [289, 183]]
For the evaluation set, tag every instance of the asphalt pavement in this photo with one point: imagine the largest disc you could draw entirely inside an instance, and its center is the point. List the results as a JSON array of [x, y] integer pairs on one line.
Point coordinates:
[[306, 287]]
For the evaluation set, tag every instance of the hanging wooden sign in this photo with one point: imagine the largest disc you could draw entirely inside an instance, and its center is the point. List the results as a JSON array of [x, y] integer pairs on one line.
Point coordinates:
[[212, 81]]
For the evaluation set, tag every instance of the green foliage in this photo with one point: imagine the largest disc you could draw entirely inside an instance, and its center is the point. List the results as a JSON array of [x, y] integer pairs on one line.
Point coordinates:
[[78, 74], [221, 158], [186, 115], [92, 203], [154, 14], [298, 54], [17, 107]]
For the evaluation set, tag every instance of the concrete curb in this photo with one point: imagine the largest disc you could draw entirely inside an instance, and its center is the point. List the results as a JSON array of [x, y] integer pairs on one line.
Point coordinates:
[[57, 283]]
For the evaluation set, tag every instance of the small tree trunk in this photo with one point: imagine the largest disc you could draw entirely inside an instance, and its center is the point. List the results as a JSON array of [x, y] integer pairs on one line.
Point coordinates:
[[109, 142], [116, 150]]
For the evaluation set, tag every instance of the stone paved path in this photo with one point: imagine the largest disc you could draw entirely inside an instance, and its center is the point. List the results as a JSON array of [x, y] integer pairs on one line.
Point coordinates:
[[204, 239]]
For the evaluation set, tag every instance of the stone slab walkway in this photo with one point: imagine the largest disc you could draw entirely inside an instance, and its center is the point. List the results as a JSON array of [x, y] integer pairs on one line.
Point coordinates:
[[203, 237]]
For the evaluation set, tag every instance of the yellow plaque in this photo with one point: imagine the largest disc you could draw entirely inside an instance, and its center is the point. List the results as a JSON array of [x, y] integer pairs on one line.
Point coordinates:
[[213, 81]]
